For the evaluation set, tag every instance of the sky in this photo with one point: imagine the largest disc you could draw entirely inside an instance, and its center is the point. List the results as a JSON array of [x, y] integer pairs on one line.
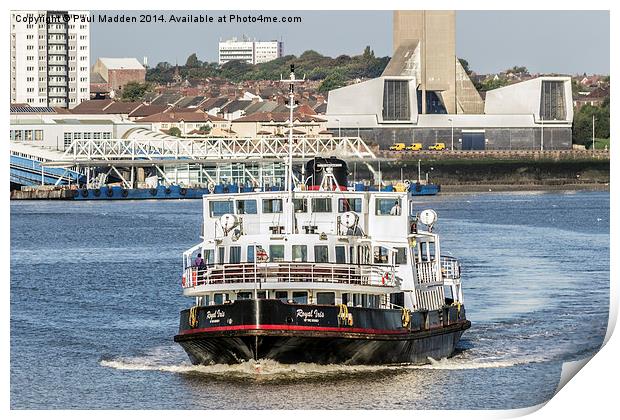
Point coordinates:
[[569, 42]]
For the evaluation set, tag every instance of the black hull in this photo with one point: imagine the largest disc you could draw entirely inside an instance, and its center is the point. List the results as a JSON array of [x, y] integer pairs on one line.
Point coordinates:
[[377, 336]]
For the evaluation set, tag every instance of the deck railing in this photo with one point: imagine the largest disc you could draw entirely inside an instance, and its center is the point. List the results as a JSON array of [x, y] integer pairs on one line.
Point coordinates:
[[366, 275], [427, 272], [450, 268]]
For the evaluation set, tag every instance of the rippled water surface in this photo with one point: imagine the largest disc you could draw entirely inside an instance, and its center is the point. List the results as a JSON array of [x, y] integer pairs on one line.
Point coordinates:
[[95, 297]]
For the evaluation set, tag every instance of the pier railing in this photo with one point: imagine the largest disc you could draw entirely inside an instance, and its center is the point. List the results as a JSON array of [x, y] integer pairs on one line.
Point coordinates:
[[286, 272]]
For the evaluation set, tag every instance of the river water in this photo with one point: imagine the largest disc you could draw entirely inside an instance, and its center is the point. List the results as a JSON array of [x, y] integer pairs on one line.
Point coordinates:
[[95, 297]]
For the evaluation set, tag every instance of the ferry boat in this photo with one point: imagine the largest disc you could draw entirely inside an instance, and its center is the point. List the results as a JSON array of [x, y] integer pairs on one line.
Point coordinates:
[[319, 273]]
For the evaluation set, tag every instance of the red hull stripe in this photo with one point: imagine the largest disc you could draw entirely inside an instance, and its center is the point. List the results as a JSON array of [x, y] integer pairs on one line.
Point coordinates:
[[292, 328]]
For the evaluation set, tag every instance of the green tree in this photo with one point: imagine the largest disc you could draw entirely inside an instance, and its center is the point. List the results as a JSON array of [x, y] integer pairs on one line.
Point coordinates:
[[192, 61], [368, 53], [134, 91], [333, 81], [205, 128], [465, 65], [582, 124], [517, 70], [175, 131]]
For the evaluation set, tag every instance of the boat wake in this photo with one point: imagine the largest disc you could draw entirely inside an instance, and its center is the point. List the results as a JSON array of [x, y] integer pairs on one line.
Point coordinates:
[[173, 362]]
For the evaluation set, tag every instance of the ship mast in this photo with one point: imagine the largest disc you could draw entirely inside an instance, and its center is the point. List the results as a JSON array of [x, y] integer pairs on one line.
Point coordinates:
[[290, 223]]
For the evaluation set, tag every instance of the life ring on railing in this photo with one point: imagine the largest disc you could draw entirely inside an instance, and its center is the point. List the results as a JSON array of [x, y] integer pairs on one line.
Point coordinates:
[[405, 317], [194, 278], [193, 317], [385, 277], [343, 314], [183, 281], [350, 320]]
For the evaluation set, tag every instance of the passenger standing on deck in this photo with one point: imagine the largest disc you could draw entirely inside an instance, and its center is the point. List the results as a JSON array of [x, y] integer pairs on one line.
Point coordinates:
[[395, 211], [199, 262]]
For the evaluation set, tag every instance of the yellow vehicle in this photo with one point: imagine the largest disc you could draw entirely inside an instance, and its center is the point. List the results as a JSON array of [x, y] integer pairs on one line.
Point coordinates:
[[437, 146], [415, 146], [398, 147]]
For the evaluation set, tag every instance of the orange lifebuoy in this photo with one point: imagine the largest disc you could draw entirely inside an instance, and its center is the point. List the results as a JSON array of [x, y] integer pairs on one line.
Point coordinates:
[[194, 278], [183, 280]]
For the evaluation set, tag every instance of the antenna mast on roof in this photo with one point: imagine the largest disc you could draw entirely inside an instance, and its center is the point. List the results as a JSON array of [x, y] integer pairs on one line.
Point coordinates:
[[289, 167]]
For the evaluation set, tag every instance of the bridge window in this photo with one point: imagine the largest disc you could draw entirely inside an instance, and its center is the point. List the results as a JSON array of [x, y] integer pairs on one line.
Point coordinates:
[[276, 253], [321, 253], [220, 255], [300, 297], [322, 205], [250, 257], [381, 255], [325, 298], [349, 204], [244, 295], [300, 253], [300, 205], [219, 298], [282, 295], [341, 255], [388, 206], [272, 205], [246, 207], [219, 208], [28, 135], [234, 256], [77, 136], [209, 256], [401, 256]]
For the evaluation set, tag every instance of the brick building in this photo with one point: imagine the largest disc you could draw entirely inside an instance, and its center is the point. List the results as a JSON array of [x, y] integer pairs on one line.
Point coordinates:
[[117, 72]]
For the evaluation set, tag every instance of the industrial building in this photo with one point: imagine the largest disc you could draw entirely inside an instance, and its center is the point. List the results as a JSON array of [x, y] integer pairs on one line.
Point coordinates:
[[50, 58], [425, 96]]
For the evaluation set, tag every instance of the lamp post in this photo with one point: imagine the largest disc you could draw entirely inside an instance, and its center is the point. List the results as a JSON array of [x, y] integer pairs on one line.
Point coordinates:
[[337, 119], [452, 133]]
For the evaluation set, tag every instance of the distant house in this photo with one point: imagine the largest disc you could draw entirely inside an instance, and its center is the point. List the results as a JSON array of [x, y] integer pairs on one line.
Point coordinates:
[[106, 107], [594, 98], [276, 124], [189, 123], [213, 106], [146, 110]]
